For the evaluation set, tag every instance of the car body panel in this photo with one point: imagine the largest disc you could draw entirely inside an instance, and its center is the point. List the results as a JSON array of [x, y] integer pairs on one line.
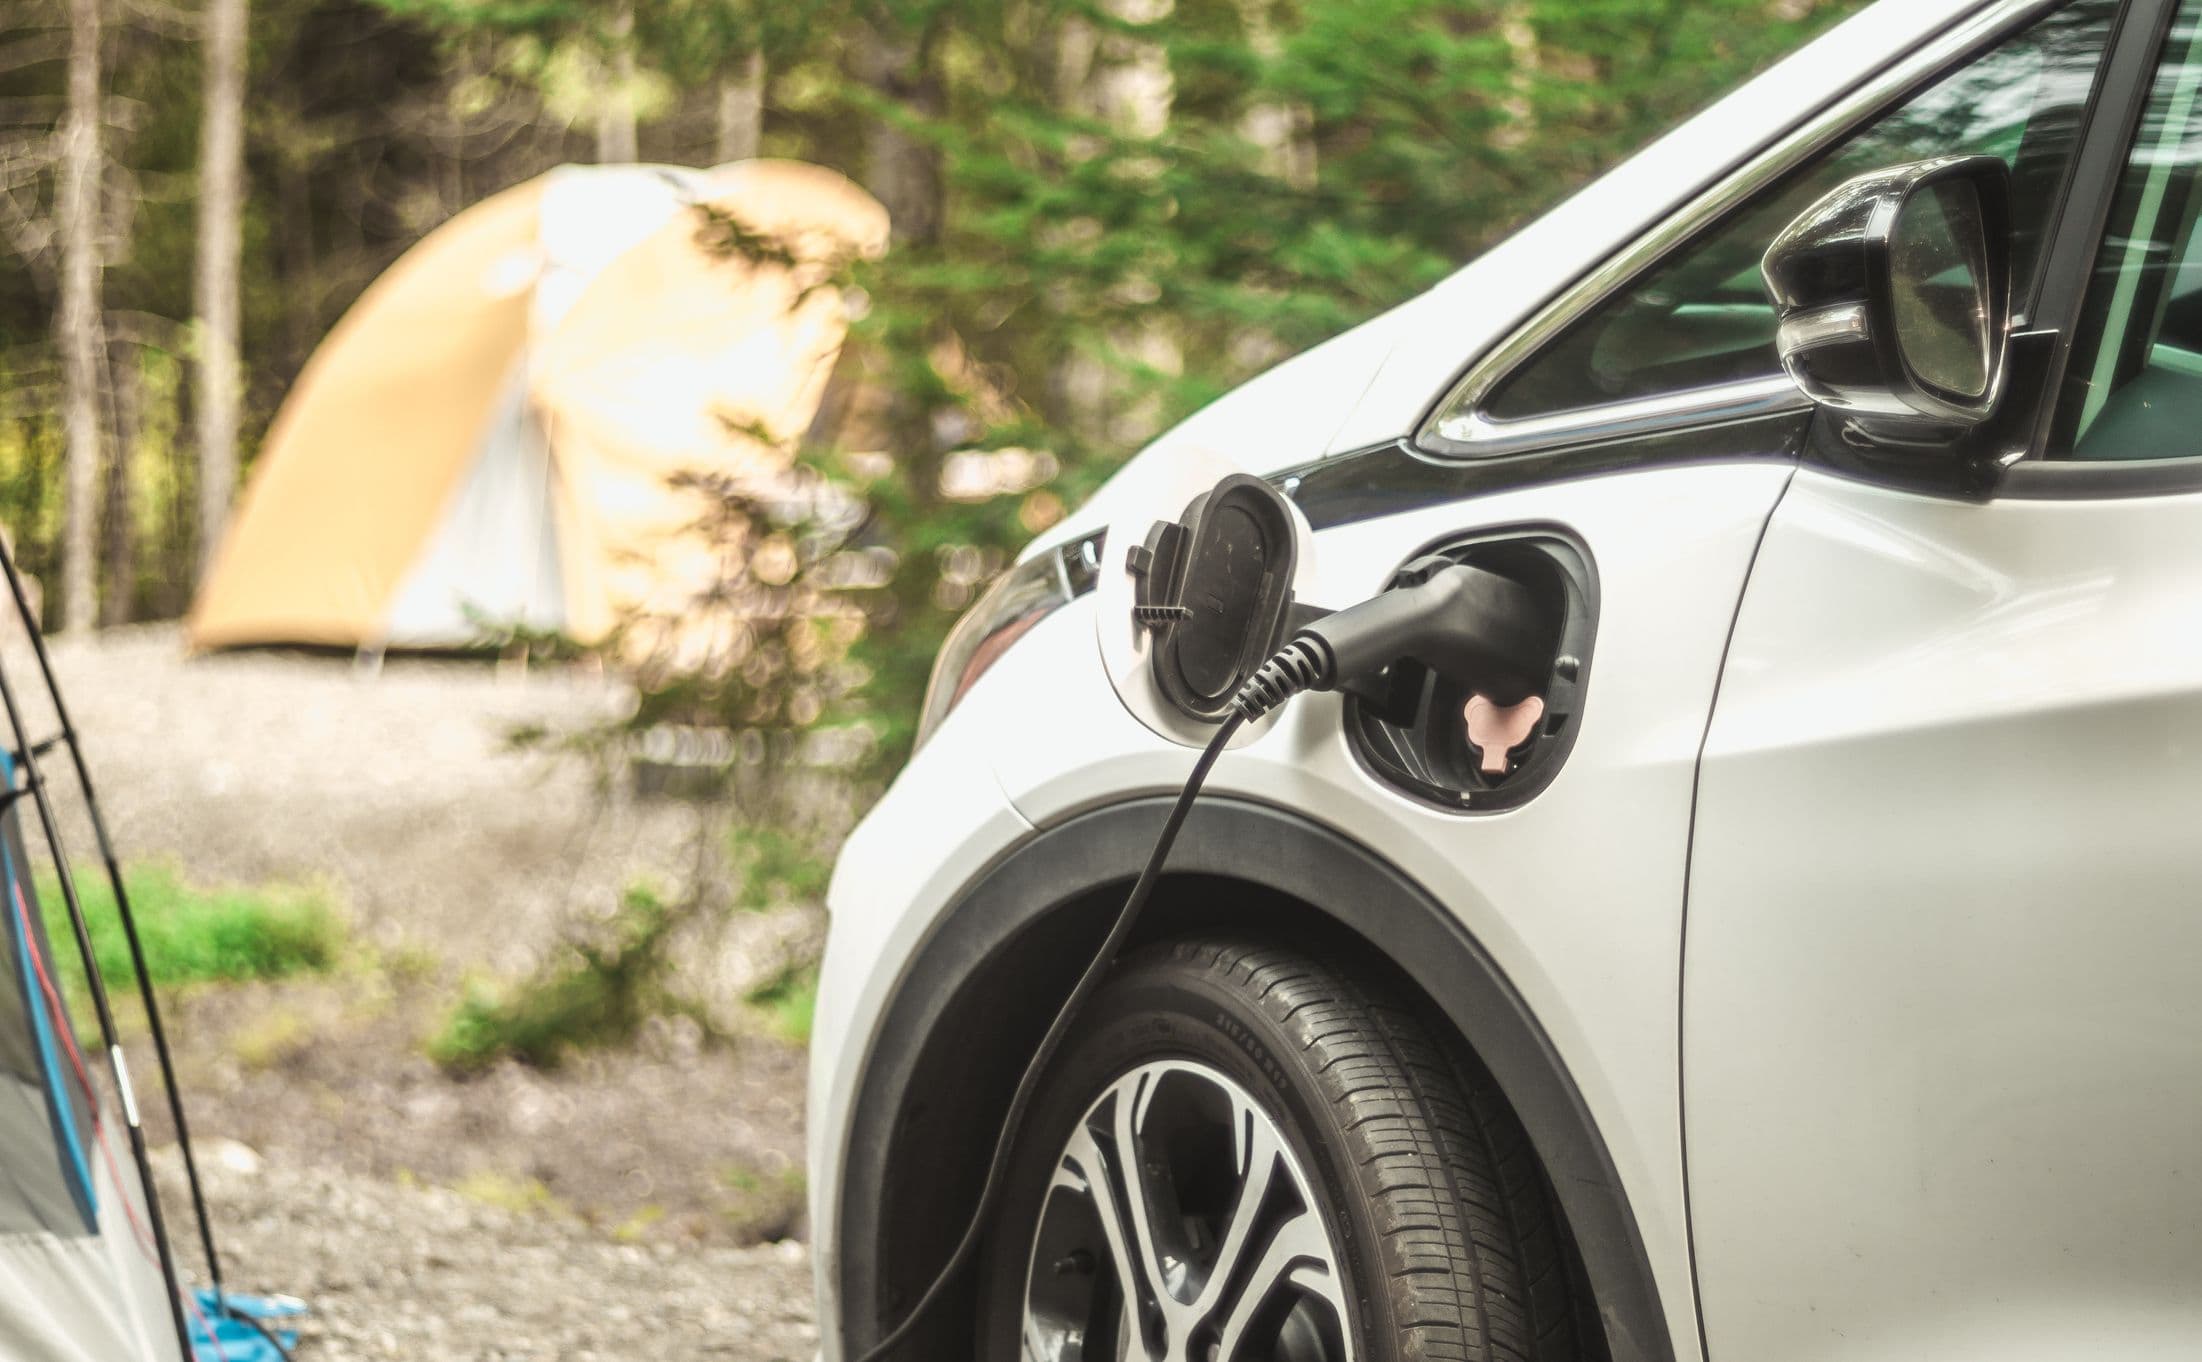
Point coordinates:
[[1282, 417], [894, 873], [1575, 896], [1921, 1020], [1578, 896]]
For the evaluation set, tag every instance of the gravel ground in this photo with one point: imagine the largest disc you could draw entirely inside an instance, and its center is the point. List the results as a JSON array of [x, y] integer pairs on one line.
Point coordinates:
[[399, 785], [413, 1272], [605, 1210]]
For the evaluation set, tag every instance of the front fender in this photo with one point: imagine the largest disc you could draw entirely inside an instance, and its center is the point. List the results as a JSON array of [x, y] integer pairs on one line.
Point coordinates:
[[935, 1011]]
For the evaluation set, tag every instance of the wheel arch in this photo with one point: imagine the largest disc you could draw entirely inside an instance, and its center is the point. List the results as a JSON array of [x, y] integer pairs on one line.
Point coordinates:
[[974, 998]]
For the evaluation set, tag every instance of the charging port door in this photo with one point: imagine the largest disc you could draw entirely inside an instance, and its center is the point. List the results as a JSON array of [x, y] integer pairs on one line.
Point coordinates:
[[1199, 573], [1214, 589]]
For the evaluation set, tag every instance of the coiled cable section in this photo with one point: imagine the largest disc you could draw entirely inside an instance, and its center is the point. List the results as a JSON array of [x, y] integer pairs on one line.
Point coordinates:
[[1301, 665]]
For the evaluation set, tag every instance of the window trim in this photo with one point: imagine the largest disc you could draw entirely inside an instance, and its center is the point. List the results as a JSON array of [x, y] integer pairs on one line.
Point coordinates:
[[2068, 269], [2035, 478], [1457, 427]]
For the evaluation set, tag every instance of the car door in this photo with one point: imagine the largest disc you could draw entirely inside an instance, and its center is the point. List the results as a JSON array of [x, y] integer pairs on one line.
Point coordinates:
[[1942, 1039]]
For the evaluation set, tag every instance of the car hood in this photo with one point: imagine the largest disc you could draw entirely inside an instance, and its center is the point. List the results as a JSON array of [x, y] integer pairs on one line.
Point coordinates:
[[1285, 416]]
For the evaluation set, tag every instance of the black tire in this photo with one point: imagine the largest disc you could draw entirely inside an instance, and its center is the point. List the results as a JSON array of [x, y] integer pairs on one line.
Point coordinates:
[[1445, 1230]]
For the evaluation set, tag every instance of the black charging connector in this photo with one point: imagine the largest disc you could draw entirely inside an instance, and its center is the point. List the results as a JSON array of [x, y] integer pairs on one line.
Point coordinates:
[[1461, 621], [1215, 591]]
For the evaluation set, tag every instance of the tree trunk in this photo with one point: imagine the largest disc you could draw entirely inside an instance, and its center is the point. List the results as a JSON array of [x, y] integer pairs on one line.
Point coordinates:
[[615, 106], [1284, 130], [175, 575], [79, 321], [221, 210], [1126, 82], [301, 265], [1521, 42], [905, 176], [125, 380], [900, 171], [742, 110]]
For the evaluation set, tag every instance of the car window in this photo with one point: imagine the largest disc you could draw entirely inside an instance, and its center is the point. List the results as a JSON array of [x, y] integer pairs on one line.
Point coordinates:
[[1705, 318], [2134, 388]]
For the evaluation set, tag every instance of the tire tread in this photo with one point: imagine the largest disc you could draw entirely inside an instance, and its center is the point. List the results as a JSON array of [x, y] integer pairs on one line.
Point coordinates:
[[1476, 1257]]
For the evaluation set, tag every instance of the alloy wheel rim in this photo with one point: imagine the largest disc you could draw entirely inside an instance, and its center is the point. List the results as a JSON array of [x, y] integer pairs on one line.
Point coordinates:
[[1179, 1226]]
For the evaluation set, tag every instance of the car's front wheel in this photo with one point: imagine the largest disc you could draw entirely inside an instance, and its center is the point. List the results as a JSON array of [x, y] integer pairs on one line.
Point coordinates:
[[1244, 1154]]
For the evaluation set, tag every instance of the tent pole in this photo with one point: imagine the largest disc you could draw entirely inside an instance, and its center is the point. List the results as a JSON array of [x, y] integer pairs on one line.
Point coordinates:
[[129, 929], [117, 1066]]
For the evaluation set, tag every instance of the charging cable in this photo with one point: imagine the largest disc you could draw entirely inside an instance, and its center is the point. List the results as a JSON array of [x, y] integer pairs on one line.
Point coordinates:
[[1456, 618], [1126, 918]]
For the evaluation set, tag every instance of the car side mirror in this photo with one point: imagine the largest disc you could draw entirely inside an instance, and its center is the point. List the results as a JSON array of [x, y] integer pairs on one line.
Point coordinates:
[[1894, 296]]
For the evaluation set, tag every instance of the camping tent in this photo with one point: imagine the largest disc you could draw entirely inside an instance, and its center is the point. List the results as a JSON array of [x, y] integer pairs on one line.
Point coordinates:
[[487, 438], [80, 1277], [86, 1274]]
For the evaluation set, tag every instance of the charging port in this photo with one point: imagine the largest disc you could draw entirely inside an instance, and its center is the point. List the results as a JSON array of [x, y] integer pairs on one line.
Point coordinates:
[[1442, 742]]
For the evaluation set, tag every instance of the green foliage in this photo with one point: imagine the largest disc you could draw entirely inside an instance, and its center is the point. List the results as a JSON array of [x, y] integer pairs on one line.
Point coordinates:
[[512, 1195], [789, 1001], [193, 935], [591, 995], [774, 866], [598, 993]]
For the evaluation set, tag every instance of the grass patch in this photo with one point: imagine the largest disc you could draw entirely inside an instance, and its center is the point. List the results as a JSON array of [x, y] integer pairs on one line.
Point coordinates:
[[760, 1204], [590, 995], [519, 1196], [788, 1001], [743, 1180], [636, 1228], [193, 935], [271, 1038]]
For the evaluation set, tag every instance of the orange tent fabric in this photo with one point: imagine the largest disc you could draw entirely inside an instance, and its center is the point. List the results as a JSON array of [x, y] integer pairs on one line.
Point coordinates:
[[678, 358], [675, 357], [374, 437]]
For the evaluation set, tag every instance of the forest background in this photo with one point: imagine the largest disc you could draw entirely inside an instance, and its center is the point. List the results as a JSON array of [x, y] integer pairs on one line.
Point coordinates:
[[1106, 212]]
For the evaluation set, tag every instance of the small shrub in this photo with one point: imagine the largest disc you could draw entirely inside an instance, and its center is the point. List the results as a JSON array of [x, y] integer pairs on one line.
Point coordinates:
[[589, 996], [271, 1038], [788, 1001], [762, 1204], [776, 867], [636, 1228]]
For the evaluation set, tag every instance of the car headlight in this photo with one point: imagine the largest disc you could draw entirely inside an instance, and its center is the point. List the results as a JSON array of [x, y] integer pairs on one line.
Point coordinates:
[[1019, 599]]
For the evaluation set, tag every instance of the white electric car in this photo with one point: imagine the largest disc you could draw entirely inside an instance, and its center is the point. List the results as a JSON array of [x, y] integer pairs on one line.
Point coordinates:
[[1814, 972]]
